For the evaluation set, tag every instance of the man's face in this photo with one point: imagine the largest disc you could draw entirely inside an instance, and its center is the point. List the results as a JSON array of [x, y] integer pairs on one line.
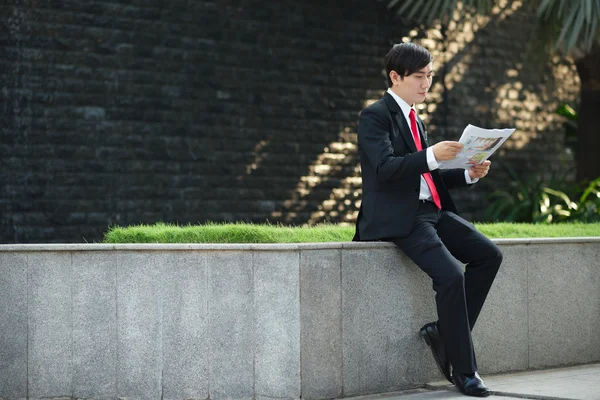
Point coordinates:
[[413, 88]]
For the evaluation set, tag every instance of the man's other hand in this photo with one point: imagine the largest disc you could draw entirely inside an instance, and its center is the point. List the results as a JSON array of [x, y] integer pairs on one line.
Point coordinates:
[[481, 170], [447, 150]]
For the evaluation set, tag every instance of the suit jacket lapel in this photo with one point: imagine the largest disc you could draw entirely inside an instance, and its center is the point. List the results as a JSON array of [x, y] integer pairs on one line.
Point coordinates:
[[406, 132], [400, 121]]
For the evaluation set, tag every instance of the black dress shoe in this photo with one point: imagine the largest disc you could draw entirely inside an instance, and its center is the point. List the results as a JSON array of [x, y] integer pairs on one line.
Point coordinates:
[[470, 386], [432, 337]]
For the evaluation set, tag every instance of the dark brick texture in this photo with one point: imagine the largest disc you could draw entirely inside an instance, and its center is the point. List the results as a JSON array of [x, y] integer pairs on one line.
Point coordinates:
[[127, 112]]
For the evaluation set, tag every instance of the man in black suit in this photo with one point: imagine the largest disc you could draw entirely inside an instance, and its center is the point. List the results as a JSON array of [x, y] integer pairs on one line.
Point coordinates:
[[406, 201]]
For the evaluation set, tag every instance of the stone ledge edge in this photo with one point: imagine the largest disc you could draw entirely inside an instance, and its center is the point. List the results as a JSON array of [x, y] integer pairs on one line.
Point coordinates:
[[257, 246]]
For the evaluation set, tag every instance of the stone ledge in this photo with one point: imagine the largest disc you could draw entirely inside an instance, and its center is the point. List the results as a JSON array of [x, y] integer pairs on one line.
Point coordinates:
[[278, 321], [257, 246]]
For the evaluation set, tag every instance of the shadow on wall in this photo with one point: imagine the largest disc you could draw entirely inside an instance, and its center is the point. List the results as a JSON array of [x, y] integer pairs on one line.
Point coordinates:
[[481, 83]]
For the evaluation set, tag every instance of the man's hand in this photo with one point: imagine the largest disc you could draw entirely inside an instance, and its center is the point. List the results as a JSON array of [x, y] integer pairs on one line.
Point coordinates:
[[481, 170], [444, 151]]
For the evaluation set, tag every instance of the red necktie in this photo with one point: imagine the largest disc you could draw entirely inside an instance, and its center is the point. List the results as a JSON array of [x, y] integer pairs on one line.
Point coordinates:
[[415, 132]]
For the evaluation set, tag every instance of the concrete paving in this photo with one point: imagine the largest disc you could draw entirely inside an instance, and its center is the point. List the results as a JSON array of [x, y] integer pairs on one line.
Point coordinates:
[[572, 383]]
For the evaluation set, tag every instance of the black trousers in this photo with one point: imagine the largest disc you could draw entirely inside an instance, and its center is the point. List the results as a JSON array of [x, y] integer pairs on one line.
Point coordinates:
[[438, 239]]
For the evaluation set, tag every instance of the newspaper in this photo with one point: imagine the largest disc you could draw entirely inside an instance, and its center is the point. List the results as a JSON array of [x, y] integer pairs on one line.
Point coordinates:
[[479, 144]]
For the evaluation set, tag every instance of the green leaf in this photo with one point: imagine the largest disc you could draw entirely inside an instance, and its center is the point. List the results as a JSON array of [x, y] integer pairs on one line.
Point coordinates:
[[588, 8], [575, 32], [392, 3], [405, 5], [566, 27], [432, 11], [447, 9], [590, 189], [561, 6], [592, 26], [545, 8], [567, 111], [427, 14], [415, 9]]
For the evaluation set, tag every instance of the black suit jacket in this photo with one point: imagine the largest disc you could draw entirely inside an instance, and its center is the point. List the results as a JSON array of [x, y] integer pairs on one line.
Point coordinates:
[[391, 173]]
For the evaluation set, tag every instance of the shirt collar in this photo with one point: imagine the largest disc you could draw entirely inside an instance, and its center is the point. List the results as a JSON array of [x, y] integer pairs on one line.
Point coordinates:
[[404, 106]]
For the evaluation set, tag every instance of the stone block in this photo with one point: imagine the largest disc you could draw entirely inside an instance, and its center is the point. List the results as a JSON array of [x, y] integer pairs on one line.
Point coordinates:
[[321, 322], [277, 324], [13, 329], [94, 324], [564, 304], [185, 326], [385, 300], [231, 335], [50, 324], [500, 336], [271, 321], [139, 324]]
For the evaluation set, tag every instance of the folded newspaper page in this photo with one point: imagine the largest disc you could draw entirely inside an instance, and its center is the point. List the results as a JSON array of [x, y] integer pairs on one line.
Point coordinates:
[[479, 144]]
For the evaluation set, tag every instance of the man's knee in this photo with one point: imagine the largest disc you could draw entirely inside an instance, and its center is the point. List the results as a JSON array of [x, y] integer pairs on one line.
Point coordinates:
[[454, 277], [496, 256]]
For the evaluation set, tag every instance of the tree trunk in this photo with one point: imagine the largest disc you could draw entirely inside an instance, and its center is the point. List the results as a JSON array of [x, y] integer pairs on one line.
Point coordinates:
[[588, 124]]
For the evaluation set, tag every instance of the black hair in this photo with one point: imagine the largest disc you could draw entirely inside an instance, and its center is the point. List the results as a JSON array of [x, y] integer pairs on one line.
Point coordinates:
[[406, 59]]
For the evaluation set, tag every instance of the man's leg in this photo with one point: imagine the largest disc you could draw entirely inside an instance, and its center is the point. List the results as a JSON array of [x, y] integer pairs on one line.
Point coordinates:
[[483, 259], [481, 255], [428, 251]]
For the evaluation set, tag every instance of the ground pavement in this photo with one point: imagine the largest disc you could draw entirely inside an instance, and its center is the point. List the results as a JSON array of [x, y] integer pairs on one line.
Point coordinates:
[[572, 383]]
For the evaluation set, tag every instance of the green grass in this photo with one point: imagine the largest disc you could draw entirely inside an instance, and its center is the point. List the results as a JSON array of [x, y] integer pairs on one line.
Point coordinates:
[[263, 233], [505, 230]]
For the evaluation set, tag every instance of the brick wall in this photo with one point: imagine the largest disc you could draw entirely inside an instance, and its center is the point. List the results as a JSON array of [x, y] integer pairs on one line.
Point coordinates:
[[187, 111]]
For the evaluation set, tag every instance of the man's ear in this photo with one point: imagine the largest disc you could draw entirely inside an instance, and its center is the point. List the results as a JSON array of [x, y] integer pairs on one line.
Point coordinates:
[[395, 76]]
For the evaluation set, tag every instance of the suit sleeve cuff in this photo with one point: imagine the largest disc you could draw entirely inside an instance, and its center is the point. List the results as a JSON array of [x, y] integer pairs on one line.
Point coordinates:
[[468, 178], [431, 161]]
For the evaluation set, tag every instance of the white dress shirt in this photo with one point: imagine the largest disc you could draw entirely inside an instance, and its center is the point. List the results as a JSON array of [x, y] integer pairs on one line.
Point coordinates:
[[425, 193]]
